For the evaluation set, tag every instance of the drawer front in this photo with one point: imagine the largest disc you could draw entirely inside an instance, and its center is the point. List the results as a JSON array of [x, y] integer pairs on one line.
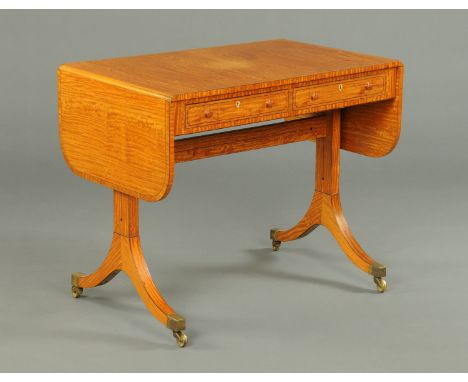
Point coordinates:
[[338, 91], [237, 108]]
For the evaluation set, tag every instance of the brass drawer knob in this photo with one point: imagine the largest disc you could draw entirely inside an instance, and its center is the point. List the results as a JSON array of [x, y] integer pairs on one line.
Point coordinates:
[[369, 86], [269, 103], [208, 113], [314, 96]]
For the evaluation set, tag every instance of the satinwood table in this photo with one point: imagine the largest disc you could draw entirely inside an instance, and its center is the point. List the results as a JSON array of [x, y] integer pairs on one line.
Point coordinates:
[[125, 122]]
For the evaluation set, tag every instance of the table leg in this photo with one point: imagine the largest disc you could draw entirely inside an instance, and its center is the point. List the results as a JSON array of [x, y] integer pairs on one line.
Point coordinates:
[[125, 254], [325, 208]]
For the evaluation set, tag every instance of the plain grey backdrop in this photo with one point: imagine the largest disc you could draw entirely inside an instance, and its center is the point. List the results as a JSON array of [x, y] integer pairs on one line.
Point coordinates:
[[305, 308]]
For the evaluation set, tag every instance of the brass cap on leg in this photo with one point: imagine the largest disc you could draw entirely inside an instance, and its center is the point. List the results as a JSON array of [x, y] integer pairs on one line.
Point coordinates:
[[273, 233], [75, 277], [377, 270], [175, 322]]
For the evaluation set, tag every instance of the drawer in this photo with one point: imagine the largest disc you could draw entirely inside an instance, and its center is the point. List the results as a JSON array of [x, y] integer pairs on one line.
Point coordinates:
[[238, 108], [338, 91]]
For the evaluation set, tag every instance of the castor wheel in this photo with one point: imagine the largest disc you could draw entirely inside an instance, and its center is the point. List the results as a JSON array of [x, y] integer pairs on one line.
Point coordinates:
[[381, 284], [275, 244], [181, 338], [76, 291]]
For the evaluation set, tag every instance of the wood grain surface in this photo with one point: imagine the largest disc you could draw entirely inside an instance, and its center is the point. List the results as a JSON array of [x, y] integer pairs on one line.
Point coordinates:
[[226, 69], [116, 136]]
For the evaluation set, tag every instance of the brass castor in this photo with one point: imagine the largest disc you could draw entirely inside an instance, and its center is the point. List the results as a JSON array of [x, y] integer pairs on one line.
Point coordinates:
[[181, 338], [381, 284], [275, 244], [76, 291]]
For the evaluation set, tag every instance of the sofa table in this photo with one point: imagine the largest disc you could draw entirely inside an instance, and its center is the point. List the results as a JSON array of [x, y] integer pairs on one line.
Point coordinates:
[[125, 122]]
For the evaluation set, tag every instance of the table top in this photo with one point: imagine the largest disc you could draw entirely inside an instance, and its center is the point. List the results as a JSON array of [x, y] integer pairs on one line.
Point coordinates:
[[119, 117], [225, 69]]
